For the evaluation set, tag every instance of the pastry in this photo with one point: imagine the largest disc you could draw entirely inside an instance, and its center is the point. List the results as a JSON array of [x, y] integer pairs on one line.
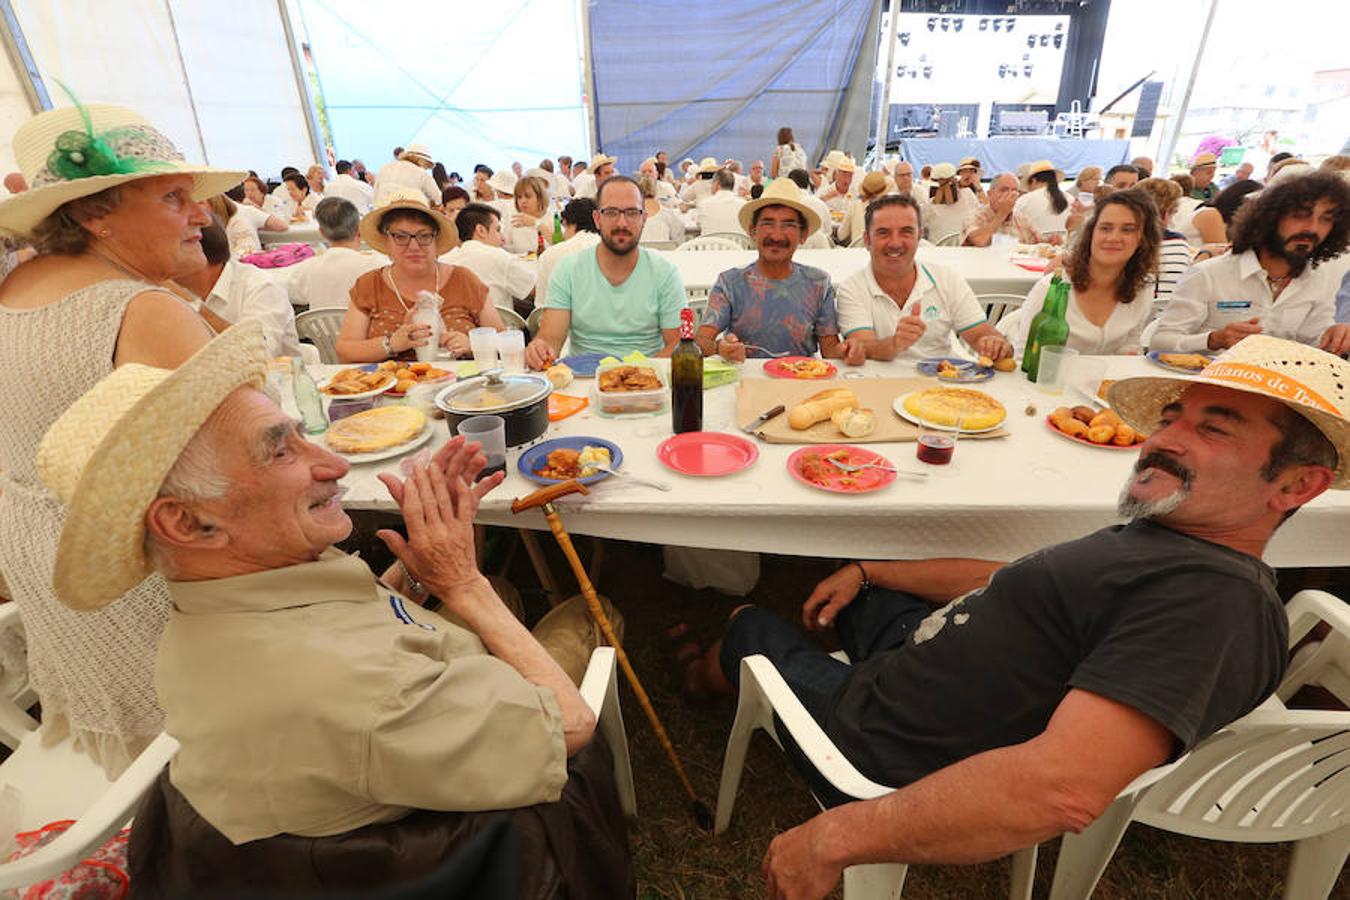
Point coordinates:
[[1006, 364], [1191, 361], [975, 410], [820, 406], [376, 429], [559, 375]]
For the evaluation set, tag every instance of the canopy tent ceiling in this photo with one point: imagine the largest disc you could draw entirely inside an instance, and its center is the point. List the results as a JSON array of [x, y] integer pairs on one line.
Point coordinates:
[[721, 79], [216, 78], [500, 84]]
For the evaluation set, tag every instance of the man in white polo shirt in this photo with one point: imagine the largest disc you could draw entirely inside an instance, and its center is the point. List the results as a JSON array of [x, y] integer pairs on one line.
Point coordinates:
[[358, 193], [1270, 283], [586, 184], [481, 251], [897, 306], [718, 212], [326, 280]]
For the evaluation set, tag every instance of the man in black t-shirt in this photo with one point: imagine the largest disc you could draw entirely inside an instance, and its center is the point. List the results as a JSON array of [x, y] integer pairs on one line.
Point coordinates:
[[1020, 708]]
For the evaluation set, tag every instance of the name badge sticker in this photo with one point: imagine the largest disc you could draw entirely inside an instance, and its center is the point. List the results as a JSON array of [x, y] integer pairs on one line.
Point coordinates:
[[1233, 305]]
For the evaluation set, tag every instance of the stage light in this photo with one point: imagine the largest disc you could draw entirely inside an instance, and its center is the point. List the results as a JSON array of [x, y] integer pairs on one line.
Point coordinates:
[[1045, 40], [1026, 70], [998, 24], [1059, 41], [1003, 70], [984, 24], [957, 25], [1031, 40], [932, 22], [946, 23], [1008, 23], [904, 39], [927, 71]]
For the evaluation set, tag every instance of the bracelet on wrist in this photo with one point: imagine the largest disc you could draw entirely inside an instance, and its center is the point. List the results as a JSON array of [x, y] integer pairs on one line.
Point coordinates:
[[388, 345], [866, 584]]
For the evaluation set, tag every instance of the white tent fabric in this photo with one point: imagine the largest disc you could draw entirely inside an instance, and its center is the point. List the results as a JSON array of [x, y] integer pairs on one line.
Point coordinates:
[[495, 83], [14, 111], [236, 105]]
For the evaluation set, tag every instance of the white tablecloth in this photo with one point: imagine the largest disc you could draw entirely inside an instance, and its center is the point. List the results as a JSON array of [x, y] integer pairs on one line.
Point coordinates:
[[299, 233], [999, 499], [987, 269]]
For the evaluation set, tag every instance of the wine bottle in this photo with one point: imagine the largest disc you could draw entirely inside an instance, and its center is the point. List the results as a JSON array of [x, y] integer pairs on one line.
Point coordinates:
[[1031, 353], [1054, 330], [557, 229], [686, 379]]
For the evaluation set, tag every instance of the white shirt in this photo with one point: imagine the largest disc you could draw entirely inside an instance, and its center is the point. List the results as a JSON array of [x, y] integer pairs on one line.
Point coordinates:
[[834, 198], [718, 213], [358, 193], [942, 219], [584, 185], [507, 276], [1042, 216], [666, 225], [562, 185], [325, 281], [946, 304], [789, 156], [242, 230], [402, 173], [1233, 288], [666, 193], [826, 222], [1119, 334], [582, 240], [697, 191], [247, 292]]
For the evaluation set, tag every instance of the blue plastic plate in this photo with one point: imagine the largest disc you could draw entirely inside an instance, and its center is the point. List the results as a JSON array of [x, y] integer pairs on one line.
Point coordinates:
[[970, 375], [583, 365], [537, 456], [1153, 358]]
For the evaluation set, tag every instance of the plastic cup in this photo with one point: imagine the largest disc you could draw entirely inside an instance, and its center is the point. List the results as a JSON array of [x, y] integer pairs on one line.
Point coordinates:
[[1055, 368], [935, 446], [511, 348], [490, 431], [483, 342]]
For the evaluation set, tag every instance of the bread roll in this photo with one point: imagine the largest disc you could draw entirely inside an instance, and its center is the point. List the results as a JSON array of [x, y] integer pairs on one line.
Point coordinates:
[[559, 375], [1105, 417], [1101, 434], [1073, 427], [1006, 364], [820, 406], [855, 423], [1124, 436]]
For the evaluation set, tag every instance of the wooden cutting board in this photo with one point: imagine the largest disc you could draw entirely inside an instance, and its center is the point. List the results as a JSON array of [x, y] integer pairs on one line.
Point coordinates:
[[757, 395]]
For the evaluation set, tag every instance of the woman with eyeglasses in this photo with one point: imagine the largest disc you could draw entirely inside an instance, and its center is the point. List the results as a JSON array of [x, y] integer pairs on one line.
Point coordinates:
[[378, 324]]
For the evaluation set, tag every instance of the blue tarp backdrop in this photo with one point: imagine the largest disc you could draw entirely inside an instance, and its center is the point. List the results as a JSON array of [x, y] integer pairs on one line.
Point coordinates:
[[719, 79]]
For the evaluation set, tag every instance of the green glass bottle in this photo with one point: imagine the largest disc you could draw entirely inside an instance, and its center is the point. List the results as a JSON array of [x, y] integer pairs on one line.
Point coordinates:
[[1054, 329], [557, 229], [1031, 353]]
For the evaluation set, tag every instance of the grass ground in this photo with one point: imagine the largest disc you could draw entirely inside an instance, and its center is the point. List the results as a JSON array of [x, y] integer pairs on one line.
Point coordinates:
[[676, 860]]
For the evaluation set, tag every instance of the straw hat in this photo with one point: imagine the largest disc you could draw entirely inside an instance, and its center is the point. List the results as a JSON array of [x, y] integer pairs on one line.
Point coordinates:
[[873, 183], [416, 153], [833, 159], [403, 198], [64, 156], [1204, 159], [844, 165], [108, 454], [1313, 383], [599, 160], [1039, 166], [943, 171], [780, 192], [708, 165], [969, 162], [503, 180]]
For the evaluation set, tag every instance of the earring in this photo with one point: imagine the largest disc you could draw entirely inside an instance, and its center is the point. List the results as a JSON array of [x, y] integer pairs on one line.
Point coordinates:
[[105, 233]]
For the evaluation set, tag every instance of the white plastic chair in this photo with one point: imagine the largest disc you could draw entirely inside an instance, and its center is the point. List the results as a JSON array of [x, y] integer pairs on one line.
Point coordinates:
[[59, 782], [1274, 775], [817, 240], [511, 318], [949, 240], [741, 240], [709, 243], [996, 305], [659, 245], [763, 692], [600, 690], [320, 327]]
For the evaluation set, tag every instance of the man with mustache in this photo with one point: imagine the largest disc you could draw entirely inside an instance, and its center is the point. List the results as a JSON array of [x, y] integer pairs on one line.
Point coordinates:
[[616, 297], [775, 305], [1019, 709], [330, 724], [1271, 283]]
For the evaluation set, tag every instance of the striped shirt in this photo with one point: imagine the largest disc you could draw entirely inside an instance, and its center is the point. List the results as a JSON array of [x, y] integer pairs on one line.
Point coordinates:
[[1174, 258]]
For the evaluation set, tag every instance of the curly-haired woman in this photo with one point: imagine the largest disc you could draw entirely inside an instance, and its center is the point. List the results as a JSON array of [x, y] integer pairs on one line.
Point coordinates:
[[1271, 282], [1108, 269]]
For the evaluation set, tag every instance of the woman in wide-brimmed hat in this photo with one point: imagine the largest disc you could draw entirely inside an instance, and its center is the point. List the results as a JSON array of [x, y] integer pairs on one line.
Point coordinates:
[[378, 324], [114, 211]]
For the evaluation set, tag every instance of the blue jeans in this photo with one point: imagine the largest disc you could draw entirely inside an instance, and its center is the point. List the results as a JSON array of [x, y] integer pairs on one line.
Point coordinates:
[[876, 621]]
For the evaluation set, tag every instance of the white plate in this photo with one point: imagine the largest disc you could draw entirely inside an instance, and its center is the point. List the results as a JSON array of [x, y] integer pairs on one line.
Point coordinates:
[[899, 406], [389, 452], [361, 396]]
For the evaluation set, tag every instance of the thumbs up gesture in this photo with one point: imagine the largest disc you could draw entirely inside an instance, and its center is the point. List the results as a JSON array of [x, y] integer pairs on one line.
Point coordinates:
[[910, 329]]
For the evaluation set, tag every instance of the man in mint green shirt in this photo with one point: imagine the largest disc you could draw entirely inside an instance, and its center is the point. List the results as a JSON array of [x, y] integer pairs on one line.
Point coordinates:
[[615, 298]]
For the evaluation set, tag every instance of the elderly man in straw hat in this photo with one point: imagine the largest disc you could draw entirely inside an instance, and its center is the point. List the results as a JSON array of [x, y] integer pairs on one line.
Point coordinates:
[[587, 184], [701, 186], [310, 697], [774, 304], [1203, 168], [411, 171], [1020, 708]]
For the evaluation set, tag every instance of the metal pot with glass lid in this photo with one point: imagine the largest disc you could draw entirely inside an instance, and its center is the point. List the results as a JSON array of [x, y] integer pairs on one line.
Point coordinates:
[[520, 399]]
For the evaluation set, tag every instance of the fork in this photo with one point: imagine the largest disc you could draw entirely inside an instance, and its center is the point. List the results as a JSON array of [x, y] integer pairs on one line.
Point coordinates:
[[767, 351], [659, 485], [851, 467]]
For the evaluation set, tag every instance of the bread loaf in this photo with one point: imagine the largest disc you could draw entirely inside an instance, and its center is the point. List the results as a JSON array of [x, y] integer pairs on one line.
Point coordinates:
[[820, 406], [855, 423]]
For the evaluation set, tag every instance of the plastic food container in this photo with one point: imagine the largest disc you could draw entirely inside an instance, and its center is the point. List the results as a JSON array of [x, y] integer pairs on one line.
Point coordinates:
[[628, 403]]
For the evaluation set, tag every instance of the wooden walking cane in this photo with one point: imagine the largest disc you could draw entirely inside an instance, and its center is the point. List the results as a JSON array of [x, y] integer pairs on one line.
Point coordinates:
[[543, 498]]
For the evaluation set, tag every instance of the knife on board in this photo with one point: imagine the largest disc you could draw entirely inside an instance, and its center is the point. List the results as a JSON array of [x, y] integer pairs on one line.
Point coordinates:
[[763, 417]]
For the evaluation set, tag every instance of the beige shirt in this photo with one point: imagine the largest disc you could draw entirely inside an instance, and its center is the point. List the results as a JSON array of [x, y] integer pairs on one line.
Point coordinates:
[[312, 700]]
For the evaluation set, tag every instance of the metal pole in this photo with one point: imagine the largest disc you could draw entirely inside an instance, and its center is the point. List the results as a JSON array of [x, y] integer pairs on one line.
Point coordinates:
[[302, 85], [1165, 160], [884, 120], [588, 76], [187, 82], [16, 47]]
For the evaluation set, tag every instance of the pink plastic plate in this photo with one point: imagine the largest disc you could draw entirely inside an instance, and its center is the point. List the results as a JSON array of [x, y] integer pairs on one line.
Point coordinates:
[[707, 453], [782, 368], [809, 466]]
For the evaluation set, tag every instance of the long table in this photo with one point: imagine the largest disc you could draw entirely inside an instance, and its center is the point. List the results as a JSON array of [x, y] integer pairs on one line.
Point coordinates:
[[988, 270], [999, 499]]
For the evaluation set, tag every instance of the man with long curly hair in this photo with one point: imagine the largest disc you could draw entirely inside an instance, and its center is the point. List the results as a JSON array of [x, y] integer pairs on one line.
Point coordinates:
[[1271, 282]]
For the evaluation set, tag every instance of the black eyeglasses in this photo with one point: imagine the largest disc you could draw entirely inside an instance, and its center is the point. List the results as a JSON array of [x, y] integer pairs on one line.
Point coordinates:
[[612, 213], [401, 238]]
